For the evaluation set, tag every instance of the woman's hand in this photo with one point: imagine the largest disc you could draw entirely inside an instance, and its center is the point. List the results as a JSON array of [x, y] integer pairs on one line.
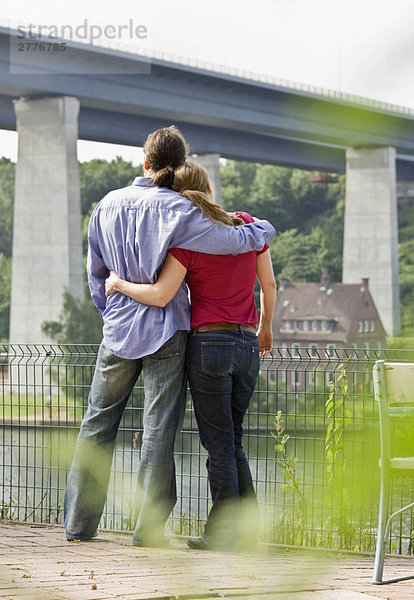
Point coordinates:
[[110, 283], [265, 339]]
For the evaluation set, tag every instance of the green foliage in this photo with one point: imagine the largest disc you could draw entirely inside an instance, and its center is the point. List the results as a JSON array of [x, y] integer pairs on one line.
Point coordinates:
[[338, 417], [273, 197], [301, 257], [5, 288], [284, 196], [78, 323], [7, 510], [6, 205], [405, 219], [293, 481], [298, 256], [401, 342], [185, 524], [6, 227], [98, 177], [237, 180], [307, 215], [406, 257]]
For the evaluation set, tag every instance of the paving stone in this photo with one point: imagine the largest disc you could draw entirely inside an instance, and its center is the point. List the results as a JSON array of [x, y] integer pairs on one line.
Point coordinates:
[[43, 566], [330, 595]]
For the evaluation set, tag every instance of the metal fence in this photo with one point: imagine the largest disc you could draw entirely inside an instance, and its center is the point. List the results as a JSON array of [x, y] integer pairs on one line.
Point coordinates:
[[317, 481]]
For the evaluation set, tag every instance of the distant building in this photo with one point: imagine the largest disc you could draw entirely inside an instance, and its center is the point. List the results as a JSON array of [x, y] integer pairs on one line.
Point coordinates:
[[316, 320]]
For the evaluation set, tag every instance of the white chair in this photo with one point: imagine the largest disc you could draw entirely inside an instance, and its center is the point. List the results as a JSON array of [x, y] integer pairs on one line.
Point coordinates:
[[394, 391]]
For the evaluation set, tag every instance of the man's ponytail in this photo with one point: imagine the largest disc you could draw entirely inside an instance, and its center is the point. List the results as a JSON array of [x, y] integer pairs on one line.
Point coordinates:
[[164, 177]]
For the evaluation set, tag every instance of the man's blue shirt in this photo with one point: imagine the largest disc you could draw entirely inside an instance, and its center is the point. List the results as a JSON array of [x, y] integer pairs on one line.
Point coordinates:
[[130, 232]]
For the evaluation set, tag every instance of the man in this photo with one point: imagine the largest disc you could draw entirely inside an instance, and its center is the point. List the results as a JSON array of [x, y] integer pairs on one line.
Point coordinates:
[[130, 231]]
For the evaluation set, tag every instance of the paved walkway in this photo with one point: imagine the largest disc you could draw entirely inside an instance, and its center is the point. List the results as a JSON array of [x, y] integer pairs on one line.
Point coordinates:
[[36, 563]]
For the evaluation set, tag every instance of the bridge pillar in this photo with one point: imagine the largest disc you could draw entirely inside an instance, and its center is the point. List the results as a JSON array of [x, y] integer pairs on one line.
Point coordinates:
[[211, 163], [371, 229], [47, 238]]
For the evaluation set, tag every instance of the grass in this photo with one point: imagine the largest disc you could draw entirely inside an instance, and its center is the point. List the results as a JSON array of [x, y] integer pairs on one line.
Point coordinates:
[[29, 407], [404, 341]]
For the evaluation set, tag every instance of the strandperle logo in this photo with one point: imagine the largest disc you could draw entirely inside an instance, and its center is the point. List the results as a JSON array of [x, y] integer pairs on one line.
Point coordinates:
[[85, 31]]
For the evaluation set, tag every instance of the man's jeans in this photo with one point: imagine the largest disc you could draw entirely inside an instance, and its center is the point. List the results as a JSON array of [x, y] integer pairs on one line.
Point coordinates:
[[222, 368], [164, 405]]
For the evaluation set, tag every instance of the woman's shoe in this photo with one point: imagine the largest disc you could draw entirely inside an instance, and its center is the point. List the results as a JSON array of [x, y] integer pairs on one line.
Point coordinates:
[[200, 544]]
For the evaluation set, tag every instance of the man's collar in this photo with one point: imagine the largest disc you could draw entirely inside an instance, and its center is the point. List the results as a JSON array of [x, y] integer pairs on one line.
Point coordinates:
[[143, 181]]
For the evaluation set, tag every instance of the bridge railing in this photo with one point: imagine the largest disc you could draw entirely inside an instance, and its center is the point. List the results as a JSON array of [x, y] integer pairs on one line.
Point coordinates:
[[315, 468], [148, 54]]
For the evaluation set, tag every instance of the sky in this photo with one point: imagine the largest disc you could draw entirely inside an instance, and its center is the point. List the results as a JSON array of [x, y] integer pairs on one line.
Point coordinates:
[[363, 47]]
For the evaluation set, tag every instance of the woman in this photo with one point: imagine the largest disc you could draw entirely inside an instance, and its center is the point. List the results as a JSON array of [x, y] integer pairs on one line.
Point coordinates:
[[223, 350]]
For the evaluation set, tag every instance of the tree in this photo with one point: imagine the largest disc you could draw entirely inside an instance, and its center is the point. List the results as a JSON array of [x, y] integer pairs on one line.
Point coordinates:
[[237, 179], [273, 197], [5, 289], [314, 202], [297, 256], [406, 255], [301, 257], [405, 219], [6, 205], [98, 177], [307, 215], [7, 168], [284, 196], [312, 212], [79, 322]]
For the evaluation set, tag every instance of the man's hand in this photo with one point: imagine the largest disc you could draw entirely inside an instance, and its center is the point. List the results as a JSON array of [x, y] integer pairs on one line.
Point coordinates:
[[110, 283], [265, 339]]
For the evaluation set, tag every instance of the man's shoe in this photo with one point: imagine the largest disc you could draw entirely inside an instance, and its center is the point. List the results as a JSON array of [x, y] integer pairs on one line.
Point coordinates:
[[152, 543], [73, 538]]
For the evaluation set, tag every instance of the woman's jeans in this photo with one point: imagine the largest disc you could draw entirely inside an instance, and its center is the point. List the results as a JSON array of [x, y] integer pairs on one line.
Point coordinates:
[[222, 368], [164, 405]]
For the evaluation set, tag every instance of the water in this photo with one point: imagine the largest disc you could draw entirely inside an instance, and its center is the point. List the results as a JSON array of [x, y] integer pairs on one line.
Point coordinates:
[[34, 463], [35, 460]]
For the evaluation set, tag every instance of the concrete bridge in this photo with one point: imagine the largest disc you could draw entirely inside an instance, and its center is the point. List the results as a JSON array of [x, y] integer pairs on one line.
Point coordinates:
[[221, 114]]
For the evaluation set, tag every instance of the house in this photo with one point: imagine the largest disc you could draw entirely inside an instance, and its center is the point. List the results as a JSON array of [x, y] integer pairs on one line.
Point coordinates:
[[315, 320]]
